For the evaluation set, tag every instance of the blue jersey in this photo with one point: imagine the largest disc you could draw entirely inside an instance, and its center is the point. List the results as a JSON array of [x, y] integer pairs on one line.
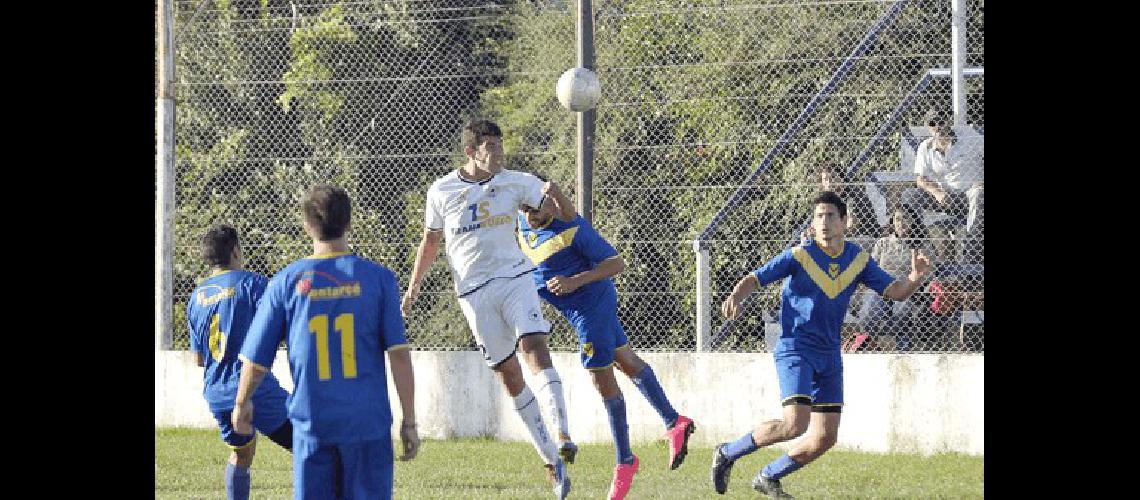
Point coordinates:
[[219, 312], [338, 314], [565, 249], [817, 291]]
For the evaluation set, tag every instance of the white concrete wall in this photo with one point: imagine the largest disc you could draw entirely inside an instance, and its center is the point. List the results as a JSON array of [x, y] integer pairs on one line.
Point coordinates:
[[924, 403]]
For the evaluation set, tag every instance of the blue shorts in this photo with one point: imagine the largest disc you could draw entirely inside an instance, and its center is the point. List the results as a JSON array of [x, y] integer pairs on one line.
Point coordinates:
[[600, 333], [269, 414], [342, 471], [811, 378]]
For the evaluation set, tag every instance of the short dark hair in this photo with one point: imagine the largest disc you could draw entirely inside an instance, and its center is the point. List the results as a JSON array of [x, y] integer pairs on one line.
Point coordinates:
[[831, 198], [218, 245], [935, 118], [477, 130], [327, 209]]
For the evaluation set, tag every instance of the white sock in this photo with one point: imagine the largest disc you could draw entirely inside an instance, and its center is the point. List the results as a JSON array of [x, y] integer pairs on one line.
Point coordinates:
[[550, 393], [527, 407]]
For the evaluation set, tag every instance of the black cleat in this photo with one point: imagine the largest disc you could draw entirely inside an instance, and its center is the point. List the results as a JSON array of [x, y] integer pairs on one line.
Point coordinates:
[[770, 487], [721, 469]]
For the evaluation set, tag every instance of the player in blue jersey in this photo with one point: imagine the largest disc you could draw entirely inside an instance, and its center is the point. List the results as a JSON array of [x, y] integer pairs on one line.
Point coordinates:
[[337, 313], [821, 277], [219, 313], [575, 267]]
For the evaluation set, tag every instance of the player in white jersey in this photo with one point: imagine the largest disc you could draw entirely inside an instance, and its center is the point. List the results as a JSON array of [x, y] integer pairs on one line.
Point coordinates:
[[474, 209]]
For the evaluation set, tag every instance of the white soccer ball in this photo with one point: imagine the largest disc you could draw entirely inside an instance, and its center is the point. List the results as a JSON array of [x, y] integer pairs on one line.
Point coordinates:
[[578, 89]]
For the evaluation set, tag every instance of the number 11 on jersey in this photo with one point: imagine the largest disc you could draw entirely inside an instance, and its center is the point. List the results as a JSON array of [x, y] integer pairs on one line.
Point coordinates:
[[319, 325]]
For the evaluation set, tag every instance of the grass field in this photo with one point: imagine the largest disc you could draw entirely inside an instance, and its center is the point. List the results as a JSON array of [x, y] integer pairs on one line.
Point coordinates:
[[189, 464]]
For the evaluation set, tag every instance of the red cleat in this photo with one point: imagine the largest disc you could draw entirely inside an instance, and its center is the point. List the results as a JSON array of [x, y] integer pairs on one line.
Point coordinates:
[[679, 440], [623, 479]]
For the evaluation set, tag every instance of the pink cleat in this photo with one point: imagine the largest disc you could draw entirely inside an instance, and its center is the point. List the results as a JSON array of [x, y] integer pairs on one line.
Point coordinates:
[[623, 479], [679, 440]]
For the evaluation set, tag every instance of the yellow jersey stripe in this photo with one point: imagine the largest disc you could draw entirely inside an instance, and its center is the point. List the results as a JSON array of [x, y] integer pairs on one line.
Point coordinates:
[[328, 255], [831, 287], [549, 247]]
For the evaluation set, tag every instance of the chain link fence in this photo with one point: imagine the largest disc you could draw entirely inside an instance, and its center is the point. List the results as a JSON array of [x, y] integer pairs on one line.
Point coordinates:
[[718, 121]]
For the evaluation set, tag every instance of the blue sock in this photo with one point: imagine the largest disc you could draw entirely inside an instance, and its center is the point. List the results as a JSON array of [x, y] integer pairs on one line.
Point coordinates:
[[740, 447], [781, 467], [646, 382], [616, 409], [237, 482]]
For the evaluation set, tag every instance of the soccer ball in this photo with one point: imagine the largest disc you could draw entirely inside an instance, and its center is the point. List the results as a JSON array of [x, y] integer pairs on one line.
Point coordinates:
[[578, 89]]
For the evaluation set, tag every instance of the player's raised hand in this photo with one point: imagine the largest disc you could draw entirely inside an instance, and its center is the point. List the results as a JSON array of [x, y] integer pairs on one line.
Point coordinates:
[[919, 265], [242, 418], [410, 439], [562, 285], [731, 306], [407, 302]]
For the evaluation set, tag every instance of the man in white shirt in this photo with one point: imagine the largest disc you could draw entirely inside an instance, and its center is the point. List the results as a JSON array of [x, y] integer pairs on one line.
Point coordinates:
[[474, 209], [951, 175]]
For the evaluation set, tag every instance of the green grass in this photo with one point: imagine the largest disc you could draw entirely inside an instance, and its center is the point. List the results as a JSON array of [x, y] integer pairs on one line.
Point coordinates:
[[189, 464]]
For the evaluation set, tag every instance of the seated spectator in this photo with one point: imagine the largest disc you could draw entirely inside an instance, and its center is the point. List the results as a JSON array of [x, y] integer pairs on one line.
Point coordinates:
[[950, 176], [890, 324]]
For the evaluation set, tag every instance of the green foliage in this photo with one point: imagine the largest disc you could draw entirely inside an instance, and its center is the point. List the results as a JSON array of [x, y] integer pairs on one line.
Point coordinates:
[[303, 80], [371, 95]]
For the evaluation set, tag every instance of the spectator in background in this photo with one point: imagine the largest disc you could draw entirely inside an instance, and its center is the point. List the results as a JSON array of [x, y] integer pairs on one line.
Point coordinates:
[[950, 176], [889, 323]]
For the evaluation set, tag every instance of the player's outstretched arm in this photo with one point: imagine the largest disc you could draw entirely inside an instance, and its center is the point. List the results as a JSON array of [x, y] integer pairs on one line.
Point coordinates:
[[902, 289], [425, 257], [566, 209], [562, 285], [242, 416], [404, 378], [744, 288]]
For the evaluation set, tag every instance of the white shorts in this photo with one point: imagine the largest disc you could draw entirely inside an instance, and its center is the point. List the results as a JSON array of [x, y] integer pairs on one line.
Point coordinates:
[[500, 313]]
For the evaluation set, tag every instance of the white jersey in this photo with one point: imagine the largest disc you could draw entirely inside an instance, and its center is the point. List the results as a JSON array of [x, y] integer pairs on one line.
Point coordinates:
[[478, 223]]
